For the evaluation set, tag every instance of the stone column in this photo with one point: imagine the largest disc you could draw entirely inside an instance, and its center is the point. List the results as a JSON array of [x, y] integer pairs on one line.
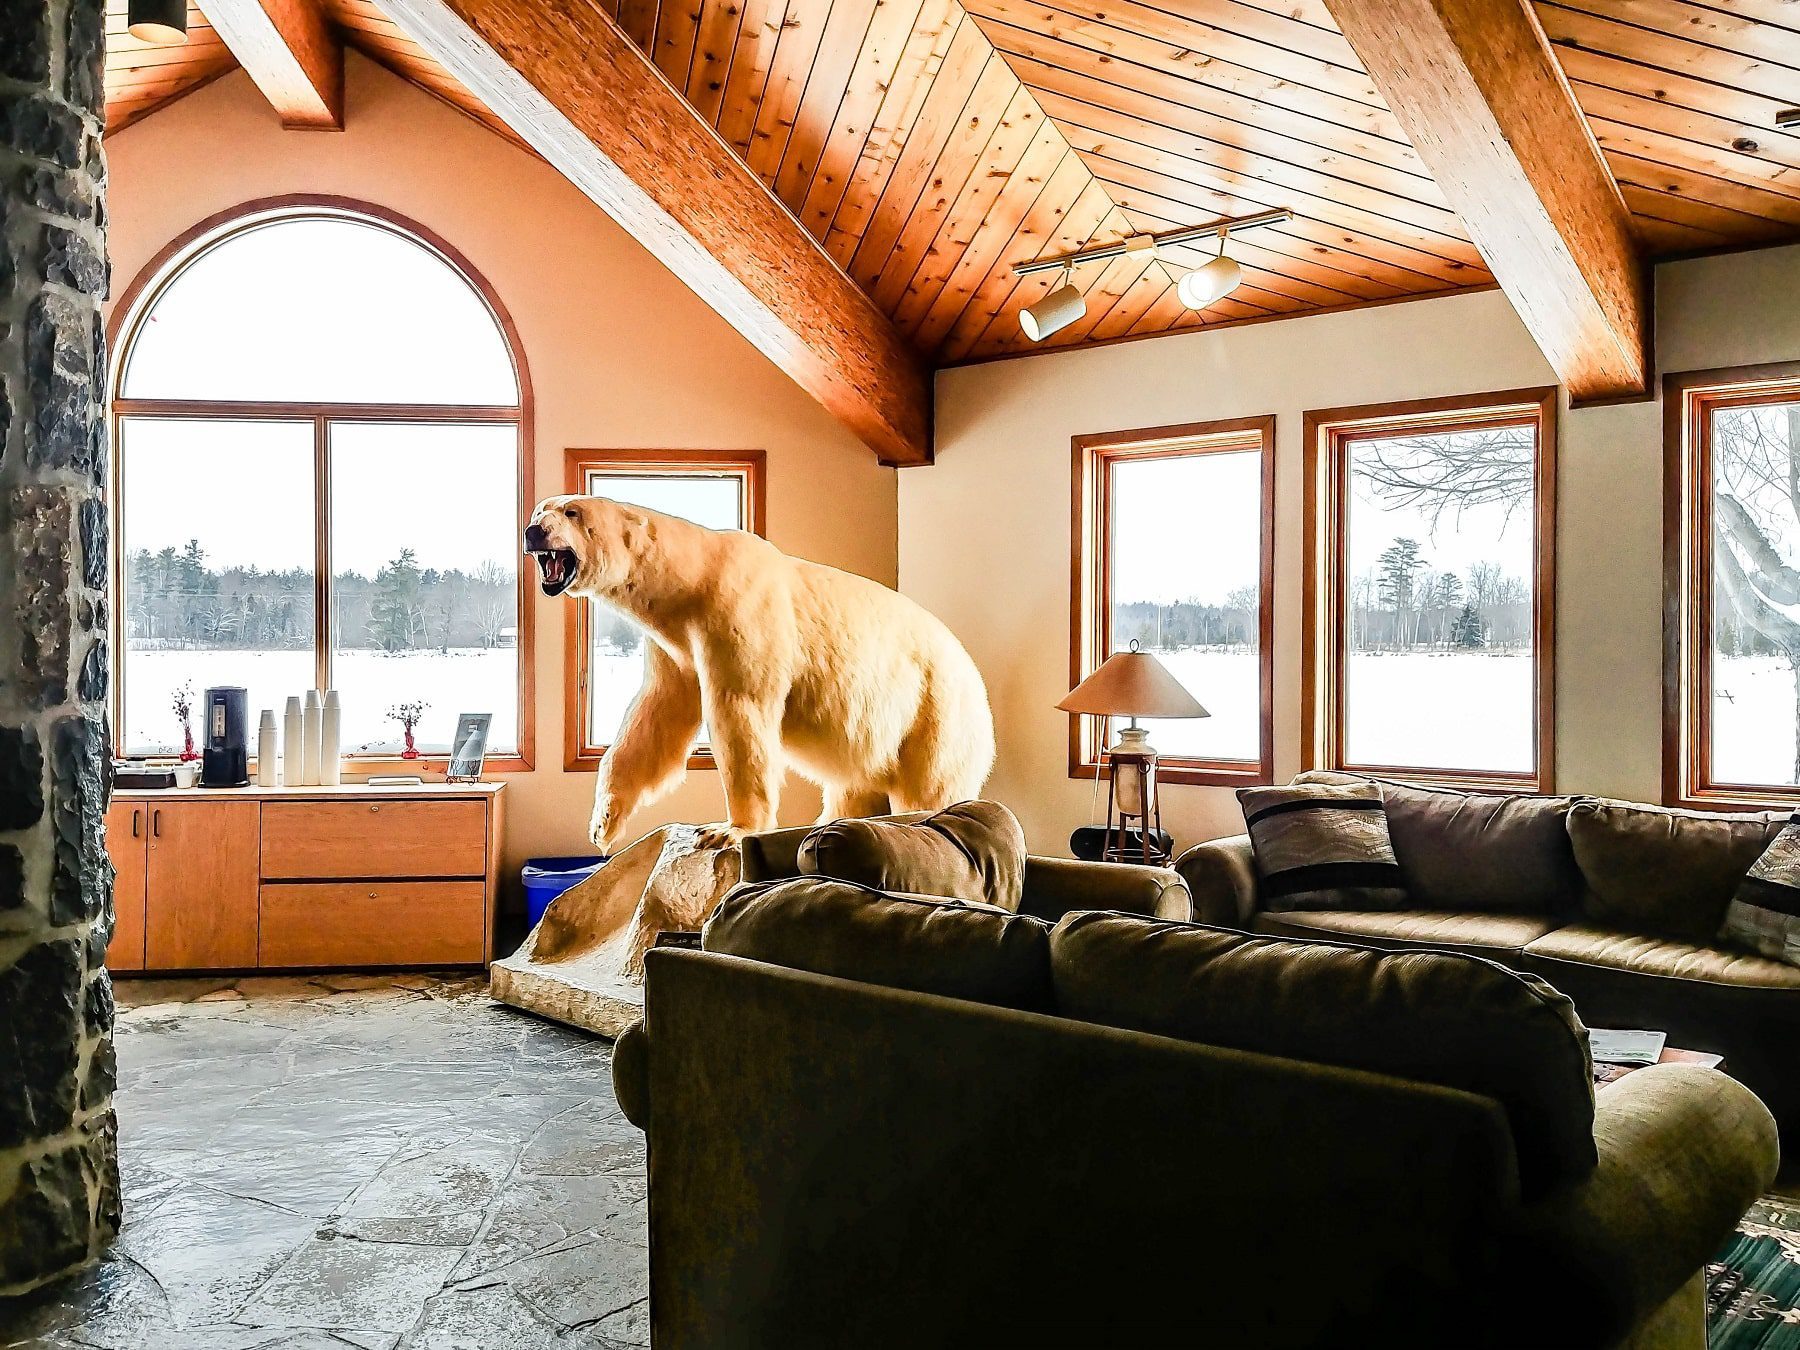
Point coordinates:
[[59, 1180]]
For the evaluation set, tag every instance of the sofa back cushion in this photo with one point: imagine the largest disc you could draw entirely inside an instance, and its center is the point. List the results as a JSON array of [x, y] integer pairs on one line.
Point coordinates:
[[774, 854], [954, 948], [1477, 852], [970, 851], [1667, 873], [1432, 1017]]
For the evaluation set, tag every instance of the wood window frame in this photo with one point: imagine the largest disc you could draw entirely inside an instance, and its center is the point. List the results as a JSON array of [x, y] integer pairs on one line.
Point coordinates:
[[580, 755], [1089, 584], [134, 305], [1689, 399], [1324, 631]]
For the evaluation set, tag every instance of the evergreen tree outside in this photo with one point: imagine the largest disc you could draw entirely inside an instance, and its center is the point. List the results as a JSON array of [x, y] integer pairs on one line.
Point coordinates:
[[1468, 631]]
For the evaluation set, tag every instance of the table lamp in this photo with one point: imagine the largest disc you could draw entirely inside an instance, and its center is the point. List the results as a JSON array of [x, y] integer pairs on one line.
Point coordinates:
[[1133, 684]]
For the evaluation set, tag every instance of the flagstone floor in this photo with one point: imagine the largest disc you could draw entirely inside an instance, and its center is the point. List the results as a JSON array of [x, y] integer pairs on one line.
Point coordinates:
[[358, 1161]]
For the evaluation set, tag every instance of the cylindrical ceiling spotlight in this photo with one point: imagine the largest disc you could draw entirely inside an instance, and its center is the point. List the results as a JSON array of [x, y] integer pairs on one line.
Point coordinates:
[[1054, 312], [1211, 282], [163, 22]]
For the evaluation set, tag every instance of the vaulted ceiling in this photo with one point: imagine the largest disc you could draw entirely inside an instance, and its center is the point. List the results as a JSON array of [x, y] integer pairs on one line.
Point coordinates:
[[930, 145]]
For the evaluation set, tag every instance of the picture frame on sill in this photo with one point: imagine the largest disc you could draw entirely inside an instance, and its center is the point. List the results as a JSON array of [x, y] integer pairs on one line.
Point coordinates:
[[468, 748]]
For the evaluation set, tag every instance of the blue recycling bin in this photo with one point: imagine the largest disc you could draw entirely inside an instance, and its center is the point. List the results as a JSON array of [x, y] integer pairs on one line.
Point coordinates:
[[547, 878]]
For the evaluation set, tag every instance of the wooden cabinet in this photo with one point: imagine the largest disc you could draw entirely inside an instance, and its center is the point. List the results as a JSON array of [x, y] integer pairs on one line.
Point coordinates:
[[200, 900], [127, 843], [335, 878]]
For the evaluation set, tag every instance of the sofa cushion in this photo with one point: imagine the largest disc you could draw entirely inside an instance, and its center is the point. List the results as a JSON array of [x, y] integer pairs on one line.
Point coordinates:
[[954, 948], [1486, 852], [1764, 915], [971, 851], [1322, 846], [1669, 873], [1643, 954], [1499, 937], [1435, 1017]]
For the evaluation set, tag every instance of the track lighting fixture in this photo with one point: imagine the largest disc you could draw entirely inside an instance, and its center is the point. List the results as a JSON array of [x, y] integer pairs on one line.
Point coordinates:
[[1197, 289], [1211, 282], [163, 22], [1055, 312]]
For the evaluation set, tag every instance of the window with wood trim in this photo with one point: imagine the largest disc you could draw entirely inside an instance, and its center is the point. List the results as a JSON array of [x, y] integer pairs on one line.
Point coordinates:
[[1173, 548], [1430, 546], [1732, 572], [721, 489], [321, 421]]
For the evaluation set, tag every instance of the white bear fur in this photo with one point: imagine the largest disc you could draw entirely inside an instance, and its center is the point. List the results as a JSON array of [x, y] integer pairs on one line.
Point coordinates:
[[790, 663]]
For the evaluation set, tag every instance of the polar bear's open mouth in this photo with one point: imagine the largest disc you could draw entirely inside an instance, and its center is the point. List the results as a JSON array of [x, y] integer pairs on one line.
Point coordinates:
[[557, 566]]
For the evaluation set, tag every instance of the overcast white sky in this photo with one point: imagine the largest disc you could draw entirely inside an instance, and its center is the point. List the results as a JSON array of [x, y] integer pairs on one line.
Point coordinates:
[[325, 309], [1459, 539]]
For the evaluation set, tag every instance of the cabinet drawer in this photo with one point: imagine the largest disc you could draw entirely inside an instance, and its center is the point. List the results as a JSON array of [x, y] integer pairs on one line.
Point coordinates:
[[372, 923], [374, 839]]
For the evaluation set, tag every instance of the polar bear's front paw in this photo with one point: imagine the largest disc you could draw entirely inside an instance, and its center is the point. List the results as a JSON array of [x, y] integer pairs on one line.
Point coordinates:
[[723, 835], [604, 824]]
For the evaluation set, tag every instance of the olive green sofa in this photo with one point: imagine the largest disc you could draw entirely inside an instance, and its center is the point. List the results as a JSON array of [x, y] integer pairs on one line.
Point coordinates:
[[1614, 903], [882, 1121]]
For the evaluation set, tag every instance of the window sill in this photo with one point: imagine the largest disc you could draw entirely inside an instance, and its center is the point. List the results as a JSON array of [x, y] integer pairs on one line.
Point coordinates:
[[588, 761], [1736, 799], [1188, 773], [1456, 780]]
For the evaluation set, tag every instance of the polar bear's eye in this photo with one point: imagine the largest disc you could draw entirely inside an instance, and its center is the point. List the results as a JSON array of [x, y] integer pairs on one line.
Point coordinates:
[[572, 513]]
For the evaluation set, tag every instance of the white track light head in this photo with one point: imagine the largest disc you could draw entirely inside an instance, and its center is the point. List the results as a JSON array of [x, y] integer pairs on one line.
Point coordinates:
[[1054, 312], [1212, 282]]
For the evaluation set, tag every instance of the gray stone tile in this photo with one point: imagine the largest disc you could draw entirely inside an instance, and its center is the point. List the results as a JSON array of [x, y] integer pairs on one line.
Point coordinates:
[[339, 1282], [368, 1162]]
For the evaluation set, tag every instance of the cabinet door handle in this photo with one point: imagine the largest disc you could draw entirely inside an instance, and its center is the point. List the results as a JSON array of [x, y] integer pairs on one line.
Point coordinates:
[[137, 822], [374, 809], [156, 824]]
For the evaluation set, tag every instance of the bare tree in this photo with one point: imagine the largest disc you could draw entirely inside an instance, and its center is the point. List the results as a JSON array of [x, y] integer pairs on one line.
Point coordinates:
[[1450, 472]]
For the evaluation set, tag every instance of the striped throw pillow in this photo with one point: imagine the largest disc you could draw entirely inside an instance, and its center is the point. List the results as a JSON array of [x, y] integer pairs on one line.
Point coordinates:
[[1764, 915], [1322, 846]]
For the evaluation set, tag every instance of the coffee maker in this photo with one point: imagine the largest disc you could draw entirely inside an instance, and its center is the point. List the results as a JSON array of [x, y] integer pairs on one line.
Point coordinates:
[[225, 752]]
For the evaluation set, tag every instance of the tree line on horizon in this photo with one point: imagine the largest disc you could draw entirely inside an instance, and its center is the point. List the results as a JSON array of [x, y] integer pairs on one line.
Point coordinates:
[[175, 598]]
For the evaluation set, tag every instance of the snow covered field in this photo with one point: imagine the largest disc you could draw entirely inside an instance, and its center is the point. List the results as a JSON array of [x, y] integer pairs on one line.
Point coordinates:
[[1753, 720], [368, 682]]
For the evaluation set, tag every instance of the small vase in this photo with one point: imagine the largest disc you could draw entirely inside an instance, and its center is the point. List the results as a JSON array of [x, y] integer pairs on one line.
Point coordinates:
[[188, 753], [411, 751]]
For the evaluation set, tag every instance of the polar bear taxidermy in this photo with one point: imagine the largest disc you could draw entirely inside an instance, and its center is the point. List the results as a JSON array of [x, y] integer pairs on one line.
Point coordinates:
[[787, 661]]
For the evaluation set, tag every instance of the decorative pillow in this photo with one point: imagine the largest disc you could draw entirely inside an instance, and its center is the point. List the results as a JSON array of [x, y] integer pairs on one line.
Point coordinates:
[[1764, 915], [1322, 846], [1665, 872], [970, 851], [1477, 852], [954, 948]]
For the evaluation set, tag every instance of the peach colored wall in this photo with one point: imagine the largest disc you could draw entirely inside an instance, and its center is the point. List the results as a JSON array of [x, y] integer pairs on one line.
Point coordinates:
[[621, 354]]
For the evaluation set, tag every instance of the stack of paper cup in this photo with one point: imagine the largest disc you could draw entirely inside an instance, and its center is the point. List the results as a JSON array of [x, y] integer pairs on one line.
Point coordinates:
[[329, 764], [265, 749], [293, 768]]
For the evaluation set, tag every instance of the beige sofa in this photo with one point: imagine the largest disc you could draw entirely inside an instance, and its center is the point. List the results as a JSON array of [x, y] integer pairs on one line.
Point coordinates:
[[1616, 904], [888, 1122]]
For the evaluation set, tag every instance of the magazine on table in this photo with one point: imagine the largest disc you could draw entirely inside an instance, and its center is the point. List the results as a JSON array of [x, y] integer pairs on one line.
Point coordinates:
[[1626, 1047]]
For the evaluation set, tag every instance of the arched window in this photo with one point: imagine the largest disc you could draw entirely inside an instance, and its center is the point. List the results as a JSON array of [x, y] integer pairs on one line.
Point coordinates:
[[321, 454]]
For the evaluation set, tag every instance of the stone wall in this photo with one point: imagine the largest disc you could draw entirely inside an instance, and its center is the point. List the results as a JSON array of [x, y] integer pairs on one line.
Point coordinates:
[[59, 1189]]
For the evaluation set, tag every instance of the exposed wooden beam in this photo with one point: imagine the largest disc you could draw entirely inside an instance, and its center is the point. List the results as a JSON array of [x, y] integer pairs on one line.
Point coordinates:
[[1478, 91], [292, 54], [566, 78]]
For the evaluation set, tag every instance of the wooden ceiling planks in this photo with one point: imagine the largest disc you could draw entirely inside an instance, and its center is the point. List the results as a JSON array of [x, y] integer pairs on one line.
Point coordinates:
[[142, 76], [930, 145]]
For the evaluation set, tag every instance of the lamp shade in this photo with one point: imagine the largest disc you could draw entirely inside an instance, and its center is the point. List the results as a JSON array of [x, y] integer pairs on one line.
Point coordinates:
[[1216, 280], [1132, 684]]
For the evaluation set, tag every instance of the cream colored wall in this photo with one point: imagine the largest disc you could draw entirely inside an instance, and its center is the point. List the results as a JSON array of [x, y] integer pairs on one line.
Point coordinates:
[[620, 353], [984, 534]]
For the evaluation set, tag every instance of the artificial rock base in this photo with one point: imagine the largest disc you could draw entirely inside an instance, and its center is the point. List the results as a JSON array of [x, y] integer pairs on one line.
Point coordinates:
[[584, 962]]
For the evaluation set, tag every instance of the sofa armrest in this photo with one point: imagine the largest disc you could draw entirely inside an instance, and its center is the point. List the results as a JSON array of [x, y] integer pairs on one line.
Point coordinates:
[[1221, 877], [1054, 886], [631, 1074], [1684, 1151]]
